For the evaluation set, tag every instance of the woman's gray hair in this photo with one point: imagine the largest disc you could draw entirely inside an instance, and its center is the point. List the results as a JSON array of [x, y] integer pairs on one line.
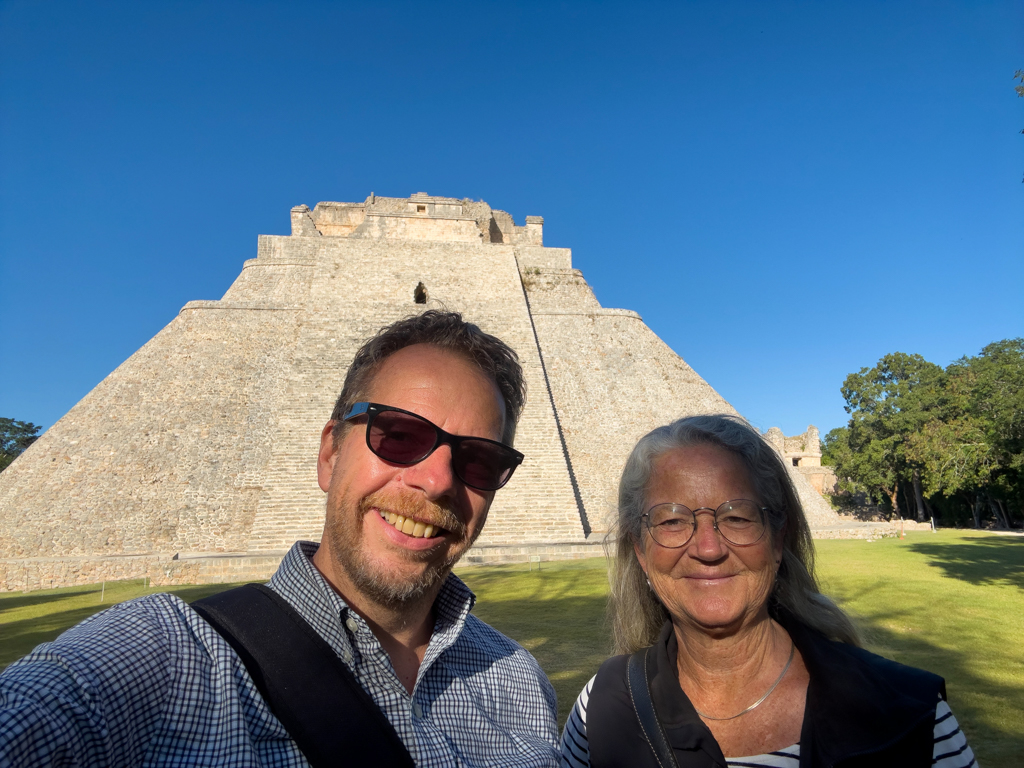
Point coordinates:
[[636, 613]]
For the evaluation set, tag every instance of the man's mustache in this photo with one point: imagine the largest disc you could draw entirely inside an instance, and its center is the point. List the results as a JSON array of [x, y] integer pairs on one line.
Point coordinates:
[[412, 504]]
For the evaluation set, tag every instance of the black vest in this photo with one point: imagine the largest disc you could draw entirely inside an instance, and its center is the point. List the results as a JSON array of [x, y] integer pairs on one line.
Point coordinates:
[[861, 710]]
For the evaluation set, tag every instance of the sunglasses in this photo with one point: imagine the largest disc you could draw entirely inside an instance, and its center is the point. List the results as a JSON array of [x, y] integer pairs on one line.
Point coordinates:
[[402, 437]]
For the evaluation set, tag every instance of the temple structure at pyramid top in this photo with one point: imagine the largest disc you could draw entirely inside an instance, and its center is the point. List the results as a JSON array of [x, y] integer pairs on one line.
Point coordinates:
[[420, 217], [195, 460]]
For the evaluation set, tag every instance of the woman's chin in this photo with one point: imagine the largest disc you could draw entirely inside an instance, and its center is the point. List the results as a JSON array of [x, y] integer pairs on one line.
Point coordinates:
[[711, 615]]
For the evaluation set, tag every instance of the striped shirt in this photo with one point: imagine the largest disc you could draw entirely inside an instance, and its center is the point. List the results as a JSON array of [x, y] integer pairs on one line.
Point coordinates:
[[148, 682], [950, 751]]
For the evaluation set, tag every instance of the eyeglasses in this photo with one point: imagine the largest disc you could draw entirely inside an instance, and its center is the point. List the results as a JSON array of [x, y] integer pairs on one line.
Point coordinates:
[[741, 522], [402, 437]]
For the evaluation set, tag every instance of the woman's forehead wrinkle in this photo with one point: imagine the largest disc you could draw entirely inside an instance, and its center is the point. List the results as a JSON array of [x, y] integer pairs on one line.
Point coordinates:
[[698, 477]]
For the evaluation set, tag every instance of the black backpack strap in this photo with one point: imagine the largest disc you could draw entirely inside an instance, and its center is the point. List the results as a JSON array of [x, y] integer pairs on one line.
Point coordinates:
[[640, 693], [307, 687]]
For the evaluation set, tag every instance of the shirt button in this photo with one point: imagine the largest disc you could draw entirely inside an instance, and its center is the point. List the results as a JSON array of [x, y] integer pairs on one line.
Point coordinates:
[[351, 623], [417, 710]]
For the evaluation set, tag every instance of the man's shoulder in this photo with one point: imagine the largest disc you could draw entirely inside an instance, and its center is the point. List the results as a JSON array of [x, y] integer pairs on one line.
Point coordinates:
[[478, 635], [481, 645], [146, 633], [500, 664], [142, 619]]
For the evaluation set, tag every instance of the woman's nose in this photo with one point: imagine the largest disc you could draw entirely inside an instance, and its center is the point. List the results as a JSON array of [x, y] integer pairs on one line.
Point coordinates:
[[707, 541]]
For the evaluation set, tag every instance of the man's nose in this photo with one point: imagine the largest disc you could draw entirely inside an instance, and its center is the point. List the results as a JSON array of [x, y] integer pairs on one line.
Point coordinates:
[[434, 475]]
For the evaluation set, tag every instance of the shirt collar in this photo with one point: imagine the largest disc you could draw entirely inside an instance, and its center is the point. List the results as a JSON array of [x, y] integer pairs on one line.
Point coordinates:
[[299, 582], [683, 726]]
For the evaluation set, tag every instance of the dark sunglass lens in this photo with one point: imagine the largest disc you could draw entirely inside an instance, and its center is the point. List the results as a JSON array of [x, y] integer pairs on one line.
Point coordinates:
[[401, 438], [483, 465]]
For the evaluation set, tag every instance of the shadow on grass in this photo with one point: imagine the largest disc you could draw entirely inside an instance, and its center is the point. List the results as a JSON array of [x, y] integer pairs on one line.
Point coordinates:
[[989, 560], [10, 603]]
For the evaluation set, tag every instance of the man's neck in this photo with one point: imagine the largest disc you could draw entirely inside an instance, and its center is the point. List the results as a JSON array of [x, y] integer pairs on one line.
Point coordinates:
[[403, 631]]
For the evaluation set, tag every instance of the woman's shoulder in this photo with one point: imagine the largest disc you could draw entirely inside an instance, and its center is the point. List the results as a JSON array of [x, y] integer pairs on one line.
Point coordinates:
[[610, 682], [613, 666], [832, 657], [901, 676]]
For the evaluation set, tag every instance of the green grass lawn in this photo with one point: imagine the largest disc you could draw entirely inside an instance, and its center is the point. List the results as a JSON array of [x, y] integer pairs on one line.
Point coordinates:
[[951, 602]]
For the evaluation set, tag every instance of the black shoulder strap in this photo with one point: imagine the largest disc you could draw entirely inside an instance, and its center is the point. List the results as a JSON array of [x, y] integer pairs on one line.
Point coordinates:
[[308, 688], [640, 693]]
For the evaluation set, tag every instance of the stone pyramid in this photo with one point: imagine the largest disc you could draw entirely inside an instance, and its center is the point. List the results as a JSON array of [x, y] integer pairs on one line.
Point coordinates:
[[195, 459]]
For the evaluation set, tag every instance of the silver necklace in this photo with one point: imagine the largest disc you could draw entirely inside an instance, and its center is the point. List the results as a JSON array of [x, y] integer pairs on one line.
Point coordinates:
[[785, 669]]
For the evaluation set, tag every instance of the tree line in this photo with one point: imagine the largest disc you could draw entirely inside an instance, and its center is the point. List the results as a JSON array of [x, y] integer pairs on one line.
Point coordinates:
[[929, 442]]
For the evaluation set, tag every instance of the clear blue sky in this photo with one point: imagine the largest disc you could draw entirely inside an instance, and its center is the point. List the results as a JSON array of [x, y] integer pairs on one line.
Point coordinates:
[[784, 191]]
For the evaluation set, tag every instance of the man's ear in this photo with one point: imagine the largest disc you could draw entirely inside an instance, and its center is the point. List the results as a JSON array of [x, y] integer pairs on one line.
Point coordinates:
[[325, 459]]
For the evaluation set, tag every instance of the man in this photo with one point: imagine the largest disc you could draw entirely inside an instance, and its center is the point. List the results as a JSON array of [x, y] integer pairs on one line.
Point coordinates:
[[417, 445]]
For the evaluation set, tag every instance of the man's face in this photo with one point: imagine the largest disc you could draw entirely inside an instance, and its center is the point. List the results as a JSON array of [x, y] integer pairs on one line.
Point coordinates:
[[394, 564]]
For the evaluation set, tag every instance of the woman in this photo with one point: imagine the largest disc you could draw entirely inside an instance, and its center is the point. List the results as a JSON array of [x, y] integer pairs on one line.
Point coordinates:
[[731, 653]]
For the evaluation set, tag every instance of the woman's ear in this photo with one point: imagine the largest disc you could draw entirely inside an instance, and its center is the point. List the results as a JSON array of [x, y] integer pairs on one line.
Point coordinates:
[[779, 545], [640, 556]]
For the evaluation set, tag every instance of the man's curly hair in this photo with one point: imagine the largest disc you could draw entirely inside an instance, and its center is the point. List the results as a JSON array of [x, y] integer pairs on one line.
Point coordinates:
[[447, 331]]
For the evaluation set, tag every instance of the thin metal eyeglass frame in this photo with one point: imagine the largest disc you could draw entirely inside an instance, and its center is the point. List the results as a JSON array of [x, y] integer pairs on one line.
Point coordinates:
[[372, 410], [646, 517]]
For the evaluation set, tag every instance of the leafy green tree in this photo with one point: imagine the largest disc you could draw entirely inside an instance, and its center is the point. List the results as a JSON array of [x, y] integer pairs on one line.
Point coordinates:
[[15, 437], [835, 447], [836, 453], [956, 459], [897, 398], [989, 391], [955, 437]]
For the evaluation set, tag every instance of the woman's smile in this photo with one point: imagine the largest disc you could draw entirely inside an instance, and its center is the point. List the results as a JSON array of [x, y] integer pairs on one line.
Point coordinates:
[[707, 582]]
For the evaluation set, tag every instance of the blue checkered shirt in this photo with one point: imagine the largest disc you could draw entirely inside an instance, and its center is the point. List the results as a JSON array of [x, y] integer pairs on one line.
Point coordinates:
[[148, 682]]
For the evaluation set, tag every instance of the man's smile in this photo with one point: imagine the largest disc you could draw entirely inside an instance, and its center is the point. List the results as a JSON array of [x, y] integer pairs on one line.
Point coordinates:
[[406, 512], [410, 526]]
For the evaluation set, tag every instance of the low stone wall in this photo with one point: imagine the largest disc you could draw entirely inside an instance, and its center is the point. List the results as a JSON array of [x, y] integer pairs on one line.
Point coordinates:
[[535, 553], [861, 531], [24, 574]]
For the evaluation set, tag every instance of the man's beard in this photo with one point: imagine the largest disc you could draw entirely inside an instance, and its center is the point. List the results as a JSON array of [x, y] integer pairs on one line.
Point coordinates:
[[374, 579]]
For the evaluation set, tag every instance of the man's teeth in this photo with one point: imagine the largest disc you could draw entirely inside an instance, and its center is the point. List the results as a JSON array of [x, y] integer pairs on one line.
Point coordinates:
[[409, 526]]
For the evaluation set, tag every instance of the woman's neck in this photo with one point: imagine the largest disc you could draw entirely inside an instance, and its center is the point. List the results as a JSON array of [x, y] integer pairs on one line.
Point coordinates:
[[734, 658]]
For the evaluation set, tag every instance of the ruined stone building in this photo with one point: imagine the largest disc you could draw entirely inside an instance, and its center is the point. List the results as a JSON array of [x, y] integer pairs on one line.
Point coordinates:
[[195, 459], [803, 452]]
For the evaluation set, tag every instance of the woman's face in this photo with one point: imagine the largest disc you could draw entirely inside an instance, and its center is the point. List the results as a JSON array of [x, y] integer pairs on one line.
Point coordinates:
[[708, 583]]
